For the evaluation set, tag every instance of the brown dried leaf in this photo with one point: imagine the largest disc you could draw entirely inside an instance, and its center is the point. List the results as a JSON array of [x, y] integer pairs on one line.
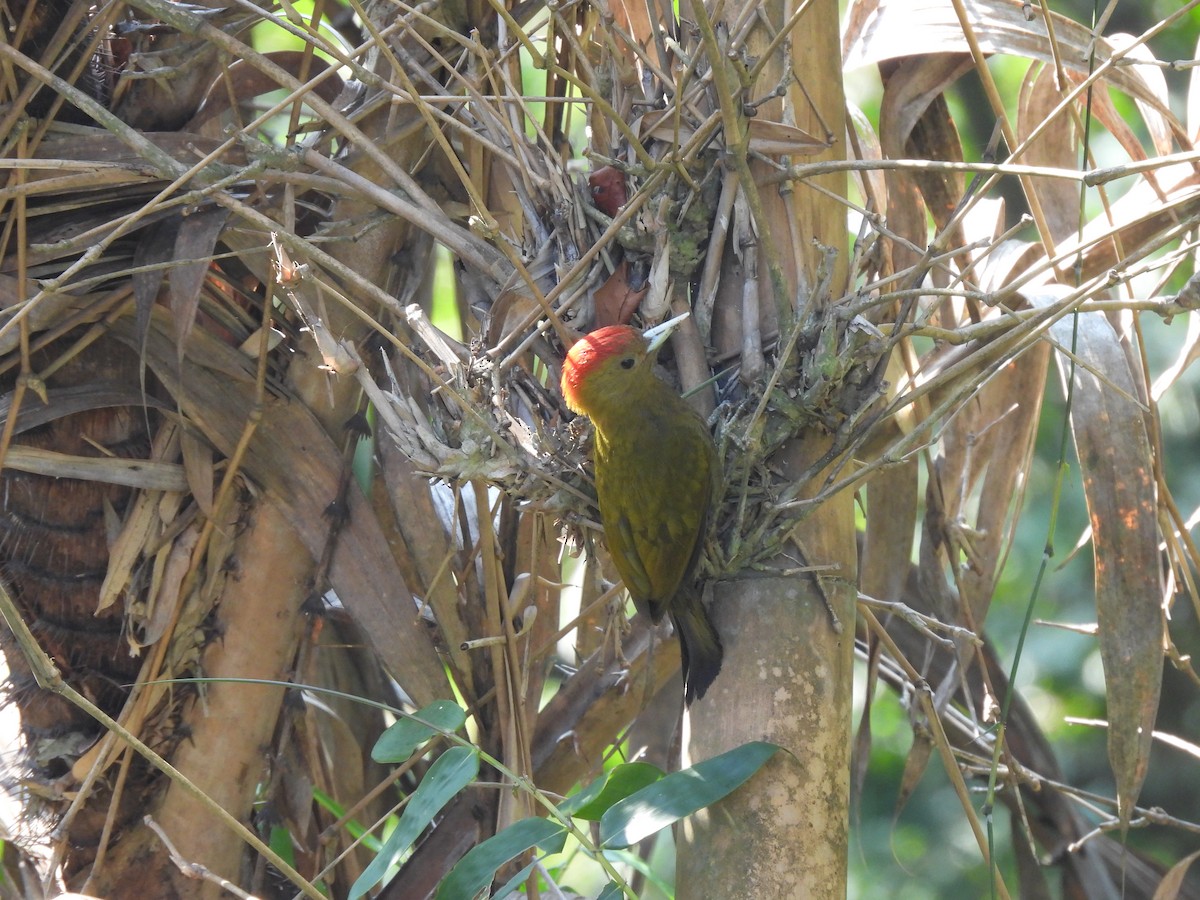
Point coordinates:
[[1106, 112], [167, 597], [766, 137], [65, 401], [242, 82], [140, 525], [609, 190], [909, 89], [1142, 213], [430, 557], [891, 520], [777, 139], [192, 256], [198, 466], [915, 765], [1172, 883], [935, 136], [860, 754], [1157, 124], [990, 445], [893, 30], [616, 301], [1116, 464], [871, 182], [153, 252], [297, 465], [1056, 147]]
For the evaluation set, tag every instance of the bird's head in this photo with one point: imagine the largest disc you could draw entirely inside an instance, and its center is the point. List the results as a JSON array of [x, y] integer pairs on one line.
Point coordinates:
[[611, 365]]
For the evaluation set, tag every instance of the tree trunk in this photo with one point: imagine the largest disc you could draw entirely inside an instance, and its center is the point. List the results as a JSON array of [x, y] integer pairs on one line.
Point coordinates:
[[228, 728], [787, 675]]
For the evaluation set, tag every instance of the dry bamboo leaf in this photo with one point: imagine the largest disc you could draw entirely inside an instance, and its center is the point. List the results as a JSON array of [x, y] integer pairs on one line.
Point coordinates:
[[434, 556], [1107, 114], [777, 139], [242, 82], [915, 765], [150, 258], [984, 223], [537, 553], [169, 505], [986, 453], [87, 144], [1011, 406], [1158, 125], [298, 466], [510, 311], [910, 86], [1056, 148], [766, 137], [1189, 352], [50, 310], [935, 136], [140, 524], [65, 401], [909, 90], [903, 28], [1142, 213], [860, 753], [656, 303], [139, 473], [198, 467], [1115, 461], [891, 522], [141, 609], [191, 257], [167, 597], [615, 300], [1172, 883], [1008, 259], [871, 182], [252, 345], [578, 723]]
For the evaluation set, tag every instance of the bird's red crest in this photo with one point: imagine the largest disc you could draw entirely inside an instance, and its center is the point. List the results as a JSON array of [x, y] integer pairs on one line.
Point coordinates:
[[592, 350]]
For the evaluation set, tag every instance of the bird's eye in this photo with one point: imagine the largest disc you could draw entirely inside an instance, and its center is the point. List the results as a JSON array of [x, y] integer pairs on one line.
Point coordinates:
[[627, 362]]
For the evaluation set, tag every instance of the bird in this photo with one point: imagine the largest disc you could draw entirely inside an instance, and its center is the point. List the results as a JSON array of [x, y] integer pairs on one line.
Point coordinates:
[[656, 474]]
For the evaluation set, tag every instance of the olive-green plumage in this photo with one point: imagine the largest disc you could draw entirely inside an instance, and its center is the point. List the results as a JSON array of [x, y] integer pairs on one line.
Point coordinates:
[[656, 477]]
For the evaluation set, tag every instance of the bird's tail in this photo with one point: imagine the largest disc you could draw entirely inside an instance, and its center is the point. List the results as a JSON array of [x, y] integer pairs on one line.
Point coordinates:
[[700, 647]]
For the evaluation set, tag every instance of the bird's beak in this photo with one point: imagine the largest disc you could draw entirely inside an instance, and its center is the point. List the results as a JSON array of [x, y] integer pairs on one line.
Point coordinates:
[[657, 336]]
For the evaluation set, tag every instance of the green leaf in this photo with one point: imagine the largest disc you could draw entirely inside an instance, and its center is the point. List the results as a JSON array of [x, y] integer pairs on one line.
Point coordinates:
[[612, 891], [449, 774], [475, 871], [680, 794], [280, 842], [594, 801], [398, 743], [632, 859], [515, 882], [372, 842]]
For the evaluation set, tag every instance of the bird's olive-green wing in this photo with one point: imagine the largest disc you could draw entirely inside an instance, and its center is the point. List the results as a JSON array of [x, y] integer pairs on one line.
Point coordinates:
[[654, 508]]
